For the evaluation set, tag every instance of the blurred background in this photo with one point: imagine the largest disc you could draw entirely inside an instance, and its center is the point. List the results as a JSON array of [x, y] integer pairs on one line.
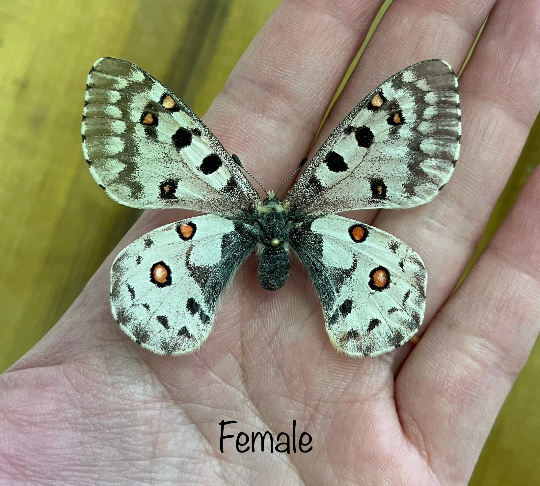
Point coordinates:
[[57, 226]]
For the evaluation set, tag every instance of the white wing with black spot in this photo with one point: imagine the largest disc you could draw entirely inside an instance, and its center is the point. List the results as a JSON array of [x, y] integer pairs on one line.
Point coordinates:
[[147, 149], [165, 285], [396, 149], [372, 286]]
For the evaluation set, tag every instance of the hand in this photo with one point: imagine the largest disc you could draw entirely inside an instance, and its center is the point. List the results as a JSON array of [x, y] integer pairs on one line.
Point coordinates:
[[88, 406]]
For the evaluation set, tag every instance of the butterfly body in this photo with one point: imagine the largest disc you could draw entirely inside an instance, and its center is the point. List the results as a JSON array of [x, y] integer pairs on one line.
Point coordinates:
[[396, 149], [272, 226]]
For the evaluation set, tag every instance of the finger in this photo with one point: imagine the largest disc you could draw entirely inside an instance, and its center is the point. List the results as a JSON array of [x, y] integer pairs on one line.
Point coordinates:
[[269, 110], [274, 101], [500, 98], [452, 386], [409, 32]]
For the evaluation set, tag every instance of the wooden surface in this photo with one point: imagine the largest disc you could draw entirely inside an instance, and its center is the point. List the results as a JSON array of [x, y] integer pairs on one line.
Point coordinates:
[[57, 226]]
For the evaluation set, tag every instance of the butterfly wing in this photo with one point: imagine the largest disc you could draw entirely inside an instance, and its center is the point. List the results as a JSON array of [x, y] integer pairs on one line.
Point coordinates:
[[372, 286], [396, 149], [147, 149], [165, 285]]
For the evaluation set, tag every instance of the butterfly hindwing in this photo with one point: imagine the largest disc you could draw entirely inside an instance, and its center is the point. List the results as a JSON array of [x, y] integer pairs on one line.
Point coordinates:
[[166, 284], [372, 286], [396, 149], [147, 149]]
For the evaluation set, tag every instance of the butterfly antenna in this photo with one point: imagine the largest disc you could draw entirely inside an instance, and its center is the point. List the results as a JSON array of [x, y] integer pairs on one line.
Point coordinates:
[[304, 160], [237, 160]]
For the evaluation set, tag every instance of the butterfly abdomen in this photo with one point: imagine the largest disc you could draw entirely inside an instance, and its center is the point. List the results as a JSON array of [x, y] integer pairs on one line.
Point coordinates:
[[273, 245], [274, 267]]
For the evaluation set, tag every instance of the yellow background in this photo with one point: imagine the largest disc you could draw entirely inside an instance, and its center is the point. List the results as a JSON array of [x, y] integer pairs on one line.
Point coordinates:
[[57, 226]]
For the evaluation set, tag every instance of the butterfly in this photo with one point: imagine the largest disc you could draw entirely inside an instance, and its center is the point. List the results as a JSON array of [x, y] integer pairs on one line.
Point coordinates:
[[396, 149]]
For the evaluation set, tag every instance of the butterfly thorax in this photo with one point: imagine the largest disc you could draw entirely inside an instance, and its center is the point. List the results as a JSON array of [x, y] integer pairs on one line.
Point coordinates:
[[273, 242]]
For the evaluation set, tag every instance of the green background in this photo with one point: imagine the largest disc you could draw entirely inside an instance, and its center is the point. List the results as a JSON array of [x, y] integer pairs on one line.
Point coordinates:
[[57, 226]]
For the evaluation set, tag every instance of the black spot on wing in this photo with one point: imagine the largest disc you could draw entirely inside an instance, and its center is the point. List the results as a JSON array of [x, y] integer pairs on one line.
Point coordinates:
[[364, 137], [396, 340], [416, 318], [181, 138], [335, 162], [315, 185], [150, 132], [122, 317], [352, 334], [140, 334], [167, 189], [378, 189], [148, 242], [210, 164], [373, 324], [231, 186], [184, 332], [332, 319], [204, 317], [115, 289], [192, 306], [420, 280], [131, 291], [163, 321], [346, 308], [167, 347], [406, 296], [343, 310], [394, 246]]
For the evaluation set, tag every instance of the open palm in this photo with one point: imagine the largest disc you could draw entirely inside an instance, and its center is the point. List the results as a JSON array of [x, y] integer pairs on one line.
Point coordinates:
[[88, 406]]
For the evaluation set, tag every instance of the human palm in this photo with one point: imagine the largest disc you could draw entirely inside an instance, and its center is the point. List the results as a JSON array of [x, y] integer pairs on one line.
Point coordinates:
[[88, 406]]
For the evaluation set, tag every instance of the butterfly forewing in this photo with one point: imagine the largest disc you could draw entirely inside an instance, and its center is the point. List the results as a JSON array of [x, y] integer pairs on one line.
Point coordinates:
[[396, 149], [147, 149], [165, 285], [372, 286]]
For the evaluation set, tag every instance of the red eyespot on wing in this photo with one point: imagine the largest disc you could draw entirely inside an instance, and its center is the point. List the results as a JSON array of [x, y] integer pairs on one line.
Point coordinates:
[[186, 231]]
